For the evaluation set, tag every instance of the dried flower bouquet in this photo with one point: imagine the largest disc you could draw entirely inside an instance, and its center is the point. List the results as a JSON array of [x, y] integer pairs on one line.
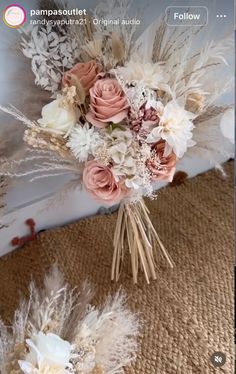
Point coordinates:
[[125, 110], [57, 331]]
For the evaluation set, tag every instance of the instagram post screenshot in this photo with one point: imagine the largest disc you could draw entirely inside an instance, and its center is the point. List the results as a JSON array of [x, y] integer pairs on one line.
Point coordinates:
[[117, 186]]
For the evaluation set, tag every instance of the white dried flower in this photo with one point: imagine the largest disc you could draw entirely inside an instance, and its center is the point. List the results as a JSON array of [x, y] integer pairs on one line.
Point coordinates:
[[28, 368], [48, 354], [175, 127], [84, 141], [58, 118], [151, 75]]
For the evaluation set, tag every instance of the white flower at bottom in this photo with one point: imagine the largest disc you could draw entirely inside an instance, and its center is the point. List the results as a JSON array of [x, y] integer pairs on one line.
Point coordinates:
[[28, 368], [175, 127], [84, 141], [48, 354]]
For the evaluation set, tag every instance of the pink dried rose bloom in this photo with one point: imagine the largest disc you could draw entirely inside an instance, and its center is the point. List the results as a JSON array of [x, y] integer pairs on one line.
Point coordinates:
[[86, 72], [161, 166], [100, 182], [108, 103]]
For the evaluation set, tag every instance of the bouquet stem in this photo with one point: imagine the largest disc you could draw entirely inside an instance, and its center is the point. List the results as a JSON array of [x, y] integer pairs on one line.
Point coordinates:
[[135, 230]]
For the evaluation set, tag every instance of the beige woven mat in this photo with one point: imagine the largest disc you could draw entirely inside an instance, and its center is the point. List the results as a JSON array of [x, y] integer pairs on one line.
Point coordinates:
[[187, 313]]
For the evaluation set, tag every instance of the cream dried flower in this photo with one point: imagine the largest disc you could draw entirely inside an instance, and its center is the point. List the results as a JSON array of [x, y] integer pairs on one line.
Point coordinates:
[[118, 135], [48, 354], [84, 141], [175, 127], [151, 75], [128, 164], [119, 144], [57, 118], [28, 368]]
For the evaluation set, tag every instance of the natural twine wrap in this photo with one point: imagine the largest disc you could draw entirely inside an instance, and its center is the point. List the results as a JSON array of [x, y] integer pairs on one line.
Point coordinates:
[[188, 310]]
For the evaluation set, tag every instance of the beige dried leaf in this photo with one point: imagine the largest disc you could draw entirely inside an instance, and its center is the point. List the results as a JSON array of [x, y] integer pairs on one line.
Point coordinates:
[[117, 46]]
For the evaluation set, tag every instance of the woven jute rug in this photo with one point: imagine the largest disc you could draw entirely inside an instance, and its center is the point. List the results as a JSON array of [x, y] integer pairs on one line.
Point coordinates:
[[187, 312]]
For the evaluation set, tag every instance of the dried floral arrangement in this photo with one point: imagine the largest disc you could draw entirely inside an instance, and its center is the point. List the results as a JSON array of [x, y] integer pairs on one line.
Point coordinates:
[[57, 331], [125, 109]]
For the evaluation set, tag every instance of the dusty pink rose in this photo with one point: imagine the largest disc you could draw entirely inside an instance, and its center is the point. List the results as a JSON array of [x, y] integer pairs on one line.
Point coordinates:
[[86, 72], [99, 181], [161, 167], [108, 103]]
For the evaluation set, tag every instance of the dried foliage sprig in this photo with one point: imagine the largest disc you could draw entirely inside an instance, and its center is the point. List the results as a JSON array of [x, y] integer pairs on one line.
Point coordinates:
[[37, 165], [51, 54], [18, 115]]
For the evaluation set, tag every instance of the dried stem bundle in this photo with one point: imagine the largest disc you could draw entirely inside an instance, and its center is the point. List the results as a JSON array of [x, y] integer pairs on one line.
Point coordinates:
[[135, 230]]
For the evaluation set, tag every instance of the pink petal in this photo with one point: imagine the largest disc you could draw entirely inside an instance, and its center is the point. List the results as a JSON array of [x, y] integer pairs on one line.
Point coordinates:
[[94, 122], [118, 117]]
